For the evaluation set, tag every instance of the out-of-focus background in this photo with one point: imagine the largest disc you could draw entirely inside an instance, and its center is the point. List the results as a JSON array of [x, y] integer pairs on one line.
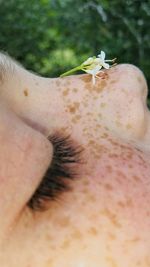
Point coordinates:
[[52, 36]]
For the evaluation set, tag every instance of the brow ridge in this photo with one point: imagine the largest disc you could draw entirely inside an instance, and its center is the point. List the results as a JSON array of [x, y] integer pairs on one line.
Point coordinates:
[[7, 66]]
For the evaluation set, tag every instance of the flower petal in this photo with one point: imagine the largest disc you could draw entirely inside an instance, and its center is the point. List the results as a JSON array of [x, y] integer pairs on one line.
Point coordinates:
[[106, 65], [102, 55], [89, 61]]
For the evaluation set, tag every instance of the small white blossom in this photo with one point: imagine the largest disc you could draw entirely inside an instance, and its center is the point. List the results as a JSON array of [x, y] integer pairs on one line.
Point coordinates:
[[92, 65], [102, 60]]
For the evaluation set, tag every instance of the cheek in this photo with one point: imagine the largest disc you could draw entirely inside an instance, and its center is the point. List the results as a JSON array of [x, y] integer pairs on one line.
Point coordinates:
[[104, 220], [107, 217]]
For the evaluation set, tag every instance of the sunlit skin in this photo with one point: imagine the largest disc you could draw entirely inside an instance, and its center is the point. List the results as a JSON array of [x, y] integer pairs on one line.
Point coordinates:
[[104, 221]]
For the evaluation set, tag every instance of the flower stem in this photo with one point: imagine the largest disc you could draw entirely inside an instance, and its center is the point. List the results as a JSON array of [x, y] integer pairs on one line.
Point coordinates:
[[70, 71]]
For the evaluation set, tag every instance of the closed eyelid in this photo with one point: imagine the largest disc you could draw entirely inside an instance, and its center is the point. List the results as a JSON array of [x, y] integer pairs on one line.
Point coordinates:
[[63, 168]]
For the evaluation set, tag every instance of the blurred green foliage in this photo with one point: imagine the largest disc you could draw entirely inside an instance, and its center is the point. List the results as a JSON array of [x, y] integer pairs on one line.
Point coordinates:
[[51, 36]]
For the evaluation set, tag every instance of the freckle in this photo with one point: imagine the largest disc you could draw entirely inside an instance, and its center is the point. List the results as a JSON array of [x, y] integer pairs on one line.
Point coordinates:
[[86, 78], [89, 113], [111, 236], [99, 89], [91, 142], [133, 240], [108, 248], [65, 245], [139, 79], [103, 105], [136, 178], [121, 174], [118, 123], [74, 120], [95, 97], [105, 135], [85, 191], [63, 129], [91, 198], [103, 75], [66, 92], [77, 235], [130, 166], [113, 81], [77, 104], [109, 168], [129, 155], [113, 155], [73, 108], [121, 204], [128, 126], [26, 92], [93, 231], [85, 130], [129, 202], [98, 125], [100, 86], [49, 262], [78, 117], [111, 261], [64, 222], [112, 217], [75, 90], [85, 104], [65, 84], [106, 128], [108, 187], [57, 83]]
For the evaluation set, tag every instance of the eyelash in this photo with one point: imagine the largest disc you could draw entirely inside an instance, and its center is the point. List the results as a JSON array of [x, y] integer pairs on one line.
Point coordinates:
[[63, 167]]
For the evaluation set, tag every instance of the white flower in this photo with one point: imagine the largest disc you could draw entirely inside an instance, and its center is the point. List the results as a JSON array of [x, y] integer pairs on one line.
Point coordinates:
[[92, 65], [102, 60]]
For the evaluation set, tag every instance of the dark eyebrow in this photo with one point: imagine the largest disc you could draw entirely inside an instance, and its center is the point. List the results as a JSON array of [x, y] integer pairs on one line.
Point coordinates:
[[7, 66]]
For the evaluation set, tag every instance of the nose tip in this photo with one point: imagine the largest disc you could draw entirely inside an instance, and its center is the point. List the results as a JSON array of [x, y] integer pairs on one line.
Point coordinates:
[[128, 102], [133, 75]]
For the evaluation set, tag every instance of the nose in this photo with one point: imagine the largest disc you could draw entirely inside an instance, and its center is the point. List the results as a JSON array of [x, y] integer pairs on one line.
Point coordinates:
[[127, 110]]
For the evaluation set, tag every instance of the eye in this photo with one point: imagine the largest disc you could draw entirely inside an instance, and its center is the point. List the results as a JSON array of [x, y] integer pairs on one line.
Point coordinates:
[[66, 157]]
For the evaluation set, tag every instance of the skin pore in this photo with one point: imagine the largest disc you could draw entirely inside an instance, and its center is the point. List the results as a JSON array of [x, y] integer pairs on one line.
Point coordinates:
[[104, 220]]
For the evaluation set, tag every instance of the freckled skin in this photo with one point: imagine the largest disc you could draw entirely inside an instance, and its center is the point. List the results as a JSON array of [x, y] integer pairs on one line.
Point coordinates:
[[105, 219], [26, 92]]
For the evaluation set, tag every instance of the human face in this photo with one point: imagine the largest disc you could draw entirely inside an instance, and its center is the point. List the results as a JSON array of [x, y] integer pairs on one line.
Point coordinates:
[[103, 220]]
